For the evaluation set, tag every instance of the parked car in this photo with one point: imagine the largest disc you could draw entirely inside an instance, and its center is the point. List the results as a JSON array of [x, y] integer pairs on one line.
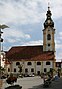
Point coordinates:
[[3, 77], [31, 75], [21, 76], [26, 75]]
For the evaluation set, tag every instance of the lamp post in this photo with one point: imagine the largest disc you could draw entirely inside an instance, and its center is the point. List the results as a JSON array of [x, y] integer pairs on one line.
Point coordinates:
[[1, 40]]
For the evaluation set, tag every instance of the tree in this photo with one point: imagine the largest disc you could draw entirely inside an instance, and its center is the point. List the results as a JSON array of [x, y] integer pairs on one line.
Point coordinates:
[[2, 69], [11, 79], [20, 69]]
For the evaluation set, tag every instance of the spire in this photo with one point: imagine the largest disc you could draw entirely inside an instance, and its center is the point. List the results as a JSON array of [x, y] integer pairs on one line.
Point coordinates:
[[48, 21], [48, 12], [48, 6]]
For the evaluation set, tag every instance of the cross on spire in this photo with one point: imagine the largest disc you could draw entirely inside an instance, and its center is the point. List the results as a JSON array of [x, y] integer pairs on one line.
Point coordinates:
[[48, 6]]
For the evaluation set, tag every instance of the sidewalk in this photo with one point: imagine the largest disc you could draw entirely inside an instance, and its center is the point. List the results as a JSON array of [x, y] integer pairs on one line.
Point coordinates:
[[1, 83], [35, 83], [57, 84]]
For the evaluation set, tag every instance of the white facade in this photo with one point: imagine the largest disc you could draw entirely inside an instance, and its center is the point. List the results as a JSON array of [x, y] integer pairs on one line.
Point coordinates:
[[32, 68]]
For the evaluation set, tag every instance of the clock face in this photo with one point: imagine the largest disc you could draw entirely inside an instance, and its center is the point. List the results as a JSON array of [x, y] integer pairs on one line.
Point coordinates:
[[48, 21]]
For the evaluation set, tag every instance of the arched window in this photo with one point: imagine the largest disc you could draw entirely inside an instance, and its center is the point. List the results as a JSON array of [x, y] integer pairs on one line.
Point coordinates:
[[38, 63], [48, 37], [29, 63], [17, 63]]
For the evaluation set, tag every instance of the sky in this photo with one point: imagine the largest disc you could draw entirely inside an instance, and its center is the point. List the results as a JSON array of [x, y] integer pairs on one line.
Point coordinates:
[[25, 19]]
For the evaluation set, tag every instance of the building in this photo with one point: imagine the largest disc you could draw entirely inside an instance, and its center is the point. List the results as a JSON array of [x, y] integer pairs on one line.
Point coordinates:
[[34, 59], [2, 58]]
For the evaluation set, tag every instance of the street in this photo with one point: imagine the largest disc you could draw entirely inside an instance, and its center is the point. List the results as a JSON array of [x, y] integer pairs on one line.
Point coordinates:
[[26, 82]]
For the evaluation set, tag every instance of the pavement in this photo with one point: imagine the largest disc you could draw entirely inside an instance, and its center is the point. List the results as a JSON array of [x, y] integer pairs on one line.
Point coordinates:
[[57, 84], [25, 82], [35, 83]]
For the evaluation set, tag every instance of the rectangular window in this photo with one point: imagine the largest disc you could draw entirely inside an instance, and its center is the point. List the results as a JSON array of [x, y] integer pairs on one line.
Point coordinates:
[[8, 69], [14, 69], [26, 70], [45, 70], [32, 70], [51, 69], [47, 63]]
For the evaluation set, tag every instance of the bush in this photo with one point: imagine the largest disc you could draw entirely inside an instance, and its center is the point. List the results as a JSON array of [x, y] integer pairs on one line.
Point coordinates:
[[11, 80]]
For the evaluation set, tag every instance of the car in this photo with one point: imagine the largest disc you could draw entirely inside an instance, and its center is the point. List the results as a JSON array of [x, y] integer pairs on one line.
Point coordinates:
[[31, 75], [3, 77], [26, 75], [21, 76]]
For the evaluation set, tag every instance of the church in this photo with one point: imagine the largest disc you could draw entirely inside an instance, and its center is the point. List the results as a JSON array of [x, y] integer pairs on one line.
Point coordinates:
[[34, 59]]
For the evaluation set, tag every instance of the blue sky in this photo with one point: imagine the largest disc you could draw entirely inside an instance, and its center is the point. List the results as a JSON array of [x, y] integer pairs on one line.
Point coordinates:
[[25, 19]]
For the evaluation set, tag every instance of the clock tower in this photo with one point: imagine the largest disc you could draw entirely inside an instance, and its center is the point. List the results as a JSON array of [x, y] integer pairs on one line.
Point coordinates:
[[48, 33]]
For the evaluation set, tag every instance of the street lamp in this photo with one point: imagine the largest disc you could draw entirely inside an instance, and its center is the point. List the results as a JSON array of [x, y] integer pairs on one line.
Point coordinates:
[[1, 40]]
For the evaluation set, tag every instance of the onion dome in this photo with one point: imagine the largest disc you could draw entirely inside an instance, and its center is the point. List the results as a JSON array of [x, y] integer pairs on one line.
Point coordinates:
[[48, 21]]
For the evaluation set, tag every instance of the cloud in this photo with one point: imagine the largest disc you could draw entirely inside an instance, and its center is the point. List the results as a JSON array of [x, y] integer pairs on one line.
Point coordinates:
[[30, 43], [58, 56], [58, 48], [19, 12], [15, 13], [58, 44], [27, 11], [60, 35], [15, 35]]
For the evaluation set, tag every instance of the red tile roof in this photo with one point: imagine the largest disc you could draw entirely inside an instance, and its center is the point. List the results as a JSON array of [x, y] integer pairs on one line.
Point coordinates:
[[29, 53], [45, 56], [7, 62]]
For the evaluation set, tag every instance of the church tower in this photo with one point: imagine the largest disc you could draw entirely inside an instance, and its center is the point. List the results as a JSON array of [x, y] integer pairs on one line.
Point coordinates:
[[48, 33]]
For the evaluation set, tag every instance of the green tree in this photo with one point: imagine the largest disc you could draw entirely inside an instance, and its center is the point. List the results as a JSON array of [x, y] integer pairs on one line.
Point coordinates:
[[20, 69], [2, 69]]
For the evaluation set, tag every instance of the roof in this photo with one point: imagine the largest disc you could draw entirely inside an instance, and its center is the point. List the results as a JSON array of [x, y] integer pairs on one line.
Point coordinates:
[[7, 62], [28, 53]]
